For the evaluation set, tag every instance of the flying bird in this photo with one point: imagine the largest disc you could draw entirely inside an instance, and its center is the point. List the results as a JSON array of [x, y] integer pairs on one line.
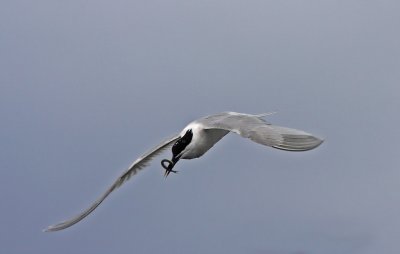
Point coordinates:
[[198, 137]]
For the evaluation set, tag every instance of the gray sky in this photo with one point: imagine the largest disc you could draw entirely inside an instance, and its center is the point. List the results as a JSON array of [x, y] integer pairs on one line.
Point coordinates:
[[87, 86]]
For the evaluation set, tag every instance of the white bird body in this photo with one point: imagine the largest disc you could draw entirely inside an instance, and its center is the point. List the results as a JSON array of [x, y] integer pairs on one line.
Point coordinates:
[[202, 140], [202, 134]]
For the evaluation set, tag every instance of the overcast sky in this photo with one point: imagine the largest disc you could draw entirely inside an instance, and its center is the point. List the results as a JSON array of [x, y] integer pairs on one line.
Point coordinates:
[[88, 86]]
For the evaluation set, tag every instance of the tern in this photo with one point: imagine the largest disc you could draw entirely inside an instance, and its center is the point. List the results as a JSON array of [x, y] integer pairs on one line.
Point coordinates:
[[198, 137]]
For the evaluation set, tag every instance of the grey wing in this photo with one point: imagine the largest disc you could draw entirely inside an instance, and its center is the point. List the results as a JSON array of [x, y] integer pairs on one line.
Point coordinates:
[[259, 131], [136, 166]]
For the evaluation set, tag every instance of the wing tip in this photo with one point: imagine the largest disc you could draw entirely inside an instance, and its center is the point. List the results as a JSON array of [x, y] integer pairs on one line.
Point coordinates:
[[61, 226], [299, 143], [266, 114], [318, 142], [50, 228]]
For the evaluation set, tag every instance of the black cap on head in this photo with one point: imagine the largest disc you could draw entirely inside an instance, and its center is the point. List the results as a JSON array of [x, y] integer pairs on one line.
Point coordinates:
[[182, 143]]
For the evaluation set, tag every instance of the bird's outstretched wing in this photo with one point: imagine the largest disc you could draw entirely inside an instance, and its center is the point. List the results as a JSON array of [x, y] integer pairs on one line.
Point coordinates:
[[136, 166], [258, 130]]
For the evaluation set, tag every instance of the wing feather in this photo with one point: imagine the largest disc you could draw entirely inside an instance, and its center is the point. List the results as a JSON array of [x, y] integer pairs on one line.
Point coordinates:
[[136, 166], [258, 130]]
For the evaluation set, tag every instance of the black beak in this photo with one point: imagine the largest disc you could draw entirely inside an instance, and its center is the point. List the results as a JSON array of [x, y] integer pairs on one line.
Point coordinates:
[[170, 165]]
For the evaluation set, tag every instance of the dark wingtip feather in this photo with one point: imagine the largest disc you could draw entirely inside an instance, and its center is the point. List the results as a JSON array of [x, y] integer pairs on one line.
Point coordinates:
[[298, 142]]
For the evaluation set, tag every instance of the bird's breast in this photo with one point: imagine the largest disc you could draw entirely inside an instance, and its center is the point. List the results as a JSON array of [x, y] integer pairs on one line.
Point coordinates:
[[202, 141]]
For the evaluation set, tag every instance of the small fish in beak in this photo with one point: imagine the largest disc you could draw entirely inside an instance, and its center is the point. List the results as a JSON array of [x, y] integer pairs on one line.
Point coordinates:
[[169, 165]]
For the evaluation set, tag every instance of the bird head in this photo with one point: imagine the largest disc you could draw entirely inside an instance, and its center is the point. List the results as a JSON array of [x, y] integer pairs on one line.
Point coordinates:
[[177, 150]]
